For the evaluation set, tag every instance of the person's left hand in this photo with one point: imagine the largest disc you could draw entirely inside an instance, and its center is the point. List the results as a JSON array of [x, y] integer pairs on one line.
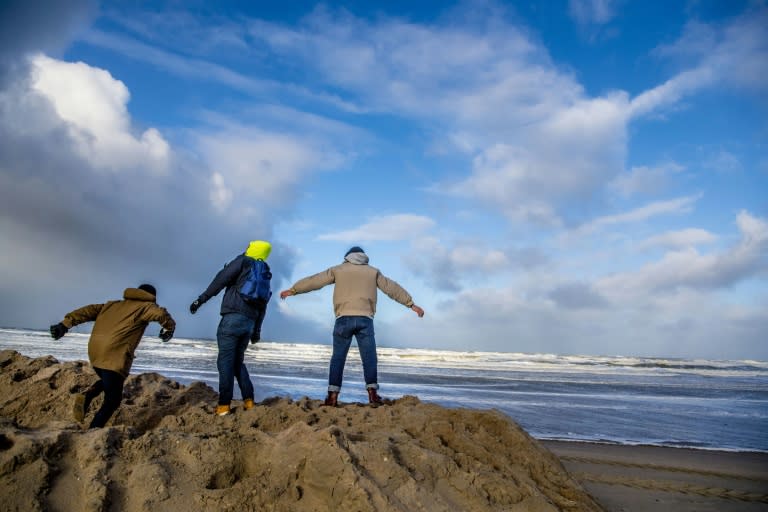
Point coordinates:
[[165, 334], [286, 293], [418, 310]]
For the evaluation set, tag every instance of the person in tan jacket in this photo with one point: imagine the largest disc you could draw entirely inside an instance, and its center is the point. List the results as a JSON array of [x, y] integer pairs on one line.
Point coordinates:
[[354, 302], [117, 331]]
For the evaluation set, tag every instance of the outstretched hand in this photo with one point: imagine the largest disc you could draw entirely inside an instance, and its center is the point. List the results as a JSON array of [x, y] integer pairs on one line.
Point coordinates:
[[58, 330], [195, 306], [165, 334], [416, 309], [286, 293]]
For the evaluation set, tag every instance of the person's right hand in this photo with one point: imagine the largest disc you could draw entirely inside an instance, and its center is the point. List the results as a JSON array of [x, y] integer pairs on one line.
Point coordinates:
[[195, 306], [286, 293], [418, 310], [58, 330]]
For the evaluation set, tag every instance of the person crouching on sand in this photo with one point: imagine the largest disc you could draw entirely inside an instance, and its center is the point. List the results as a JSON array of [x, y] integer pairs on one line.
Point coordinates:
[[354, 302], [117, 331]]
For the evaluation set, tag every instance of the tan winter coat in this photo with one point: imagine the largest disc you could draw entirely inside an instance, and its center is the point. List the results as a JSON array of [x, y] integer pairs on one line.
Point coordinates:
[[355, 290], [118, 328]]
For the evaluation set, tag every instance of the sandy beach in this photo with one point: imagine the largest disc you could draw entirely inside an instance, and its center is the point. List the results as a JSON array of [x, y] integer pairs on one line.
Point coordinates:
[[649, 478], [166, 450]]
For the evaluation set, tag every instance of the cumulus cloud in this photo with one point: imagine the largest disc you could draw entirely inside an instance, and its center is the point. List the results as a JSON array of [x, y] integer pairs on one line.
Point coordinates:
[[688, 268], [449, 267], [403, 226], [93, 104], [87, 213]]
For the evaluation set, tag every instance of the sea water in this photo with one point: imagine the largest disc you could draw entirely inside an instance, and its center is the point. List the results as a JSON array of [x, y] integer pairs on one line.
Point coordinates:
[[690, 403]]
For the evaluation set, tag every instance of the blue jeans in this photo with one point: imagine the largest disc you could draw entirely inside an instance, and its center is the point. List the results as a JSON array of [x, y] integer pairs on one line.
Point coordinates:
[[233, 335], [362, 328]]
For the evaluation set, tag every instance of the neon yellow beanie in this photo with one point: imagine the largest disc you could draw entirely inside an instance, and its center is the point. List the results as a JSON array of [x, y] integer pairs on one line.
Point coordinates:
[[259, 250]]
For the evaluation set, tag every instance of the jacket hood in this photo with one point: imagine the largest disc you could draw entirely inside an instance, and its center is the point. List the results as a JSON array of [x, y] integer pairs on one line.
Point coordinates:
[[258, 250], [357, 258], [136, 294]]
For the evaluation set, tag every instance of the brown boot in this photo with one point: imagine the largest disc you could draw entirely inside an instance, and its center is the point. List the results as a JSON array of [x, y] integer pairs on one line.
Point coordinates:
[[373, 397], [332, 399]]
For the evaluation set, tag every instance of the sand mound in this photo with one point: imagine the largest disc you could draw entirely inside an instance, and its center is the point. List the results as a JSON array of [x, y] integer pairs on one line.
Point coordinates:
[[165, 450]]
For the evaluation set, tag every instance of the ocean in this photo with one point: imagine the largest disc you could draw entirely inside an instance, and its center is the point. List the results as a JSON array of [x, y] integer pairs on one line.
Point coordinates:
[[692, 403]]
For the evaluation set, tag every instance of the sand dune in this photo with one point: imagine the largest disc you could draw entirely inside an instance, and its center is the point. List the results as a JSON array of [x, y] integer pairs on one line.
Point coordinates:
[[166, 450]]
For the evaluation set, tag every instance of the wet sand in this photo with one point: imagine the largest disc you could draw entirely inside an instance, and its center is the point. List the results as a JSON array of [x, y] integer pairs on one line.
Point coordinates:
[[656, 479]]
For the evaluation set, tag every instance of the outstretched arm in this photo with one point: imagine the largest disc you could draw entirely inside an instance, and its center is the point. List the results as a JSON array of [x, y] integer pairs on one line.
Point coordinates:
[[82, 315], [224, 278], [76, 317], [397, 293], [309, 284]]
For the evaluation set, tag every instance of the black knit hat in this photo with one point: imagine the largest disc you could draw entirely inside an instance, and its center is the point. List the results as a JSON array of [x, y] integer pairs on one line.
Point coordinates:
[[148, 288], [354, 249]]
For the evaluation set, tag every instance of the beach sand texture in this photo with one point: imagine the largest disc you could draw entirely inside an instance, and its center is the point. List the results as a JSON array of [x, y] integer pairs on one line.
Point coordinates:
[[166, 450]]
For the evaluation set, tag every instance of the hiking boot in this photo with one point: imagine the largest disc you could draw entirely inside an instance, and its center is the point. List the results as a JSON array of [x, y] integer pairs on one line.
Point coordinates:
[[248, 404], [78, 407], [373, 397], [222, 410], [332, 400]]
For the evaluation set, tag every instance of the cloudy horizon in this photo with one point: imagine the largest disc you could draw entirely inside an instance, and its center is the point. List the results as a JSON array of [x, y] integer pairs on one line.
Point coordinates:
[[586, 177]]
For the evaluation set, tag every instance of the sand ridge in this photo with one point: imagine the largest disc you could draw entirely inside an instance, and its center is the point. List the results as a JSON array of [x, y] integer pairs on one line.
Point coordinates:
[[166, 450]]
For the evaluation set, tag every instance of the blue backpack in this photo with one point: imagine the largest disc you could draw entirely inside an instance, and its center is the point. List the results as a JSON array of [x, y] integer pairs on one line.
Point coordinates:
[[255, 288]]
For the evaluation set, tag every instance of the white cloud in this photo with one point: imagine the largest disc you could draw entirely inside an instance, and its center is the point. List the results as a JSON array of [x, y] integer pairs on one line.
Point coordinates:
[[562, 159], [220, 195], [735, 53], [644, 180], [259, 168], [688, 268], [449, 267], [678, 239], [403, 226], [93, 104], [643, 213], [589, 12]]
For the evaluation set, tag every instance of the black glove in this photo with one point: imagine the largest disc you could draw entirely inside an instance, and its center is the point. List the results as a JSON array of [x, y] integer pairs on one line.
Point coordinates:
[[166, 334], [195, 306], [58, 330], [255, 337]]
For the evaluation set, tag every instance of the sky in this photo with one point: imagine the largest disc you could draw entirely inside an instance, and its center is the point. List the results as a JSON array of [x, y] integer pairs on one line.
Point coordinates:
[[572, 177]]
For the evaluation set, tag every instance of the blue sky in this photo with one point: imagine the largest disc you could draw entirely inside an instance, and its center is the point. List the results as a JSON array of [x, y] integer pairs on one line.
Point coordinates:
[[575, 177]]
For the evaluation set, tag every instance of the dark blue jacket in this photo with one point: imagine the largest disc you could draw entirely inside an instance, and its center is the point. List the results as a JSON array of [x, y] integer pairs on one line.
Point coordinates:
[[232, 276]]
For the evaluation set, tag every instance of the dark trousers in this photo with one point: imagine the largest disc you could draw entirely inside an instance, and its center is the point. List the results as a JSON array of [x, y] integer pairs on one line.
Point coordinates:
[[111, 384], [233, 335]]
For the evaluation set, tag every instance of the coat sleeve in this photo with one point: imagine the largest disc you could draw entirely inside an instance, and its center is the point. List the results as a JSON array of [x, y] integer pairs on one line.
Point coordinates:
[[82, 315], [226, 276], [158, 314], [393, 290], [314, 282]]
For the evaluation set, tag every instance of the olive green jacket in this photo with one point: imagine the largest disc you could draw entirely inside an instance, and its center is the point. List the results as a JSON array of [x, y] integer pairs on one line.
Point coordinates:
[[355, 288], [118, 328]]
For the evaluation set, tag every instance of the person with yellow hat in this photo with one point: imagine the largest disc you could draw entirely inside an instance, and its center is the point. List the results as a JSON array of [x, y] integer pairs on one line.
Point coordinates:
[[241, 319]]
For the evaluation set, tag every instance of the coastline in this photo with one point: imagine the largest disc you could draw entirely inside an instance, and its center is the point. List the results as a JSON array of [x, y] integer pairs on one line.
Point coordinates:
[[167, 422], [642, 478]]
